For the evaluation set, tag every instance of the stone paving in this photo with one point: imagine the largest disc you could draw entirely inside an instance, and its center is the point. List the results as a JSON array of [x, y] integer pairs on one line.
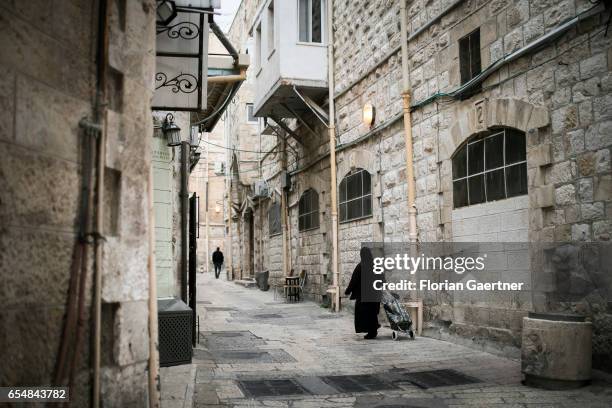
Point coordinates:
[[246, 335]]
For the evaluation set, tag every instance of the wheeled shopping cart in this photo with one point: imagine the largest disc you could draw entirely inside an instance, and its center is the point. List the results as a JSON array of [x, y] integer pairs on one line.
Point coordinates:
[[398, 317]]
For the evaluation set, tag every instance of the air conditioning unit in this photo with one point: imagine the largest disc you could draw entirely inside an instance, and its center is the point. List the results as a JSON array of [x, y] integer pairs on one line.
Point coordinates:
[[260, 189], [220, 168]]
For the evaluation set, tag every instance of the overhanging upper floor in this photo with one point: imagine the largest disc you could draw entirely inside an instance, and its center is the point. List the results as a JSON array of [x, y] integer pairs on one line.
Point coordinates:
[[290, 51]]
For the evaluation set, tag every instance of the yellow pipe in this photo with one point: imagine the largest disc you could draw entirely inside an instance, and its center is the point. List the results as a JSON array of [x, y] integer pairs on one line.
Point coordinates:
[[225, 79], [412, 226], [332, 155]]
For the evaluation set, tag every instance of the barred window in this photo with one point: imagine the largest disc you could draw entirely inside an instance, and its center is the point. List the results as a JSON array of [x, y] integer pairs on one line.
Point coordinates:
[[274, 219], [308, 211], [355, 196], [490, 167]]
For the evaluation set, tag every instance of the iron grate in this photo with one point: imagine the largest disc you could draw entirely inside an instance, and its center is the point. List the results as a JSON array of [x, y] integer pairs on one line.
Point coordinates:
[[268, 316], [358, 383], [246, 356], [231, 340], [439, 378], [219, 309], [271, 388], [327, 316]]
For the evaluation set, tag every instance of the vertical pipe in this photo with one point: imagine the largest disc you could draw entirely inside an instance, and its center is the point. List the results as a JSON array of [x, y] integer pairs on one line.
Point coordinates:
[[154, 395], [332, 152], [102, 61], [184, 214], [207, 170], [412, 231], [230, 262], [285, 226]]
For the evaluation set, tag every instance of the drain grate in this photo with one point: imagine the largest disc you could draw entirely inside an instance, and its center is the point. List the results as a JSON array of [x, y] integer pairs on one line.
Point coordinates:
[[229, 333], [439, 378], [219, 309], [271, 388], [358, 383], [231, 340], [243, 356], [268, 316], [328, 316], [204, 302]]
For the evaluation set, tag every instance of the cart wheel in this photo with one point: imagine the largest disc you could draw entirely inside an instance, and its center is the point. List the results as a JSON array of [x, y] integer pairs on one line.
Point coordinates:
[[411, 333], [394, 335]]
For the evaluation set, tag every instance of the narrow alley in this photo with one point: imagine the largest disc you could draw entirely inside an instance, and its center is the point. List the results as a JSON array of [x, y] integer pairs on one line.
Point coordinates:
[[255, 351]]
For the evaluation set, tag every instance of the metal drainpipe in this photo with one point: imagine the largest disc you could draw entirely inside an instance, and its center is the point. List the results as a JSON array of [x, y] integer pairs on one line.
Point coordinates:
[[412, 233], [102, 61], [229, 265], [284, 207], [332, 153], [185, 148], [207, 170]]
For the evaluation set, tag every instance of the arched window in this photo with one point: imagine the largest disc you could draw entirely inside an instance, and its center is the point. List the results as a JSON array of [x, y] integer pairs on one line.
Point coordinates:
[[490, 167], [308, 212], [355, 195], [274, 219]]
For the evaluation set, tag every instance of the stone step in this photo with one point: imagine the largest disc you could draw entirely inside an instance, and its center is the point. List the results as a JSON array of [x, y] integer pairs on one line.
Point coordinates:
[[247, 283]]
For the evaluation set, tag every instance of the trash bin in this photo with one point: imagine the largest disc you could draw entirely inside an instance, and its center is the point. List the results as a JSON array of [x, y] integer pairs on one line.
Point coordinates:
[[175, 321]]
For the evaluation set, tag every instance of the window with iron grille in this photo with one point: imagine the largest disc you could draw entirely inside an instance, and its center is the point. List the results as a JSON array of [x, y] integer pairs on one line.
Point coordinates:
[[308, 211], [469, 56], [355, 196], [274, 219], [490, 167]]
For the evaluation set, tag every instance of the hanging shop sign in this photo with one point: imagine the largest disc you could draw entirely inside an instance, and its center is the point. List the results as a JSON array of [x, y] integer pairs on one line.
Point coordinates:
[[182, 62]]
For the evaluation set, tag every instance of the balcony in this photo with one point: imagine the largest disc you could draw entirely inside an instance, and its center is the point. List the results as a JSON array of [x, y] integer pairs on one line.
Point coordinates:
[[290, 56]]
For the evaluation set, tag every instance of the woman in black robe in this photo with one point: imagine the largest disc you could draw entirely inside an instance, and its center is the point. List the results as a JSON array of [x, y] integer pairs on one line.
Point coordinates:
[[367, 300]]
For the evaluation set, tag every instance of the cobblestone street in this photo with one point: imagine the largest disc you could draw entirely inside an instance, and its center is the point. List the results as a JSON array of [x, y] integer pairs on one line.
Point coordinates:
[[248, 336]]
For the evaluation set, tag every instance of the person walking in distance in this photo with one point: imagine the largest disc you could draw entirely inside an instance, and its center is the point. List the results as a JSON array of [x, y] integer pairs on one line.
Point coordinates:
[[217, 258]]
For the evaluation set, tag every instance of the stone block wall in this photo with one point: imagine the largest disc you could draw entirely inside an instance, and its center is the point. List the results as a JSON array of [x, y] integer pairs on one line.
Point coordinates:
[[558, 95], [48, 86]]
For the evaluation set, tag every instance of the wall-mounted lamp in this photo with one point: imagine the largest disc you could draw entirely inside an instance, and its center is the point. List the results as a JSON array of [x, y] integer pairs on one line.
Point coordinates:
[[368, 114], [166, 11], [171, 131]]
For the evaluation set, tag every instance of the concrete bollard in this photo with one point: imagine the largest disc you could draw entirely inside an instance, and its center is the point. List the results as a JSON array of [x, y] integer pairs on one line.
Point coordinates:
[[556, 351]]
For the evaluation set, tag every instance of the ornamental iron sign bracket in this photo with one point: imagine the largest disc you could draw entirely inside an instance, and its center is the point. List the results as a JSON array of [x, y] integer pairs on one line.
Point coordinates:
[[182, 63]]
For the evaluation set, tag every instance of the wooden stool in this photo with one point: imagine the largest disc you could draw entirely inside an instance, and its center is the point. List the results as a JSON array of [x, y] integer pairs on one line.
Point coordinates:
[[415, 308]]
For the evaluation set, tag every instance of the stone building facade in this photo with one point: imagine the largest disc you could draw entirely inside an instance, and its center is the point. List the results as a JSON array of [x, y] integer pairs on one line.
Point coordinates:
[[544, 73], [48, 84], [245, 148]]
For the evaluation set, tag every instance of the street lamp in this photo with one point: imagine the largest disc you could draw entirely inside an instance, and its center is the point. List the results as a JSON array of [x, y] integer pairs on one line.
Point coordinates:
[[171, 131], [368, 114], [166, 11]]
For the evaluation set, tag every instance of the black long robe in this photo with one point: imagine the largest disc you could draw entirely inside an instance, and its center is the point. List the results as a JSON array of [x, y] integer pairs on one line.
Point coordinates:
[[366, 313]]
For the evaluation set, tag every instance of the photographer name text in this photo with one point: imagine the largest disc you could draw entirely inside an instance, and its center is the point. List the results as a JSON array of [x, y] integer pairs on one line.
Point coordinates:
[[425, 284]]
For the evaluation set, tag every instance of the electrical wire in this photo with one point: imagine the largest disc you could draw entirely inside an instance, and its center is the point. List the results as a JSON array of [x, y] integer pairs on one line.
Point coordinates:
[[458, 92], [236, 149]]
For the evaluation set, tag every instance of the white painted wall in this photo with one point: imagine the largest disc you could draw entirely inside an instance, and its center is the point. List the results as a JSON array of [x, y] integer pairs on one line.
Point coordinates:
[[290, 59], [497, 221]]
